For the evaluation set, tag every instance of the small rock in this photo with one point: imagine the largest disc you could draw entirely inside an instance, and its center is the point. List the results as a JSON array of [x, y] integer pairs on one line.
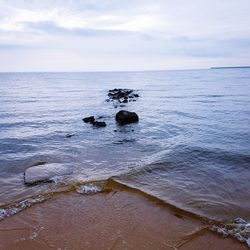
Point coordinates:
[[89, 119], [125, 117], [69, 135], [99, 124]]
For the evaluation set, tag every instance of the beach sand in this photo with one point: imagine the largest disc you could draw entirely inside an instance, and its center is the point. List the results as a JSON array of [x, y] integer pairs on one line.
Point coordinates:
[[118, 219]]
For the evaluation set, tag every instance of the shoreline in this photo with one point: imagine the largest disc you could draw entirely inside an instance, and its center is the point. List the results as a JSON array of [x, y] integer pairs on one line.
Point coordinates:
[[118, 218]]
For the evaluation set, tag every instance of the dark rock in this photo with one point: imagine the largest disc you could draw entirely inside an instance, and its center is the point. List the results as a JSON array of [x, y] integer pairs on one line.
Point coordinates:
[[89, 119], [125, 117], [69, 135], [121, 95], [99, 124]]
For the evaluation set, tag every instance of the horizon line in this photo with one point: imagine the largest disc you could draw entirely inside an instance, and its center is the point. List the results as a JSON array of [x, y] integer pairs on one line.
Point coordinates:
[[102, 71], [126, 71]]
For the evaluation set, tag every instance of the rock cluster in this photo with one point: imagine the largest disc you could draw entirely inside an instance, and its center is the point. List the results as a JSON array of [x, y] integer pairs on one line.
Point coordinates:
[[122, 95]]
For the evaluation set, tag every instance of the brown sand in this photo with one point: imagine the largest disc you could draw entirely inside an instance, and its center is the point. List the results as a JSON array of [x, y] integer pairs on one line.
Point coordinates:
[[120, 219]]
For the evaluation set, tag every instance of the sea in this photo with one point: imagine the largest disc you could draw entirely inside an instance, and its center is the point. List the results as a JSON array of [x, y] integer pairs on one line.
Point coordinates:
[[190, 148]]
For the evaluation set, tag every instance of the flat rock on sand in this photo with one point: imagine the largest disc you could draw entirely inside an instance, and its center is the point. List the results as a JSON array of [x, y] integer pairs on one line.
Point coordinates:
[[45, 173]]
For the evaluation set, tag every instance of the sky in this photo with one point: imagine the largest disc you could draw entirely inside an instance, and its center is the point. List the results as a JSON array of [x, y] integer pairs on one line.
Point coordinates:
[[123, 35]]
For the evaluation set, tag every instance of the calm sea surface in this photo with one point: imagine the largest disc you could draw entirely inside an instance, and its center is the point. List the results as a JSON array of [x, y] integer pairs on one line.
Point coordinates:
[[191, 147]]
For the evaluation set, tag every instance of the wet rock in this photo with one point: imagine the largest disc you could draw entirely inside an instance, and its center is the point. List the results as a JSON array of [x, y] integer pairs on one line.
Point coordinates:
[[69, 135], [122, 95], [45, 173], [89, 119], [97, 124], [125, 117]]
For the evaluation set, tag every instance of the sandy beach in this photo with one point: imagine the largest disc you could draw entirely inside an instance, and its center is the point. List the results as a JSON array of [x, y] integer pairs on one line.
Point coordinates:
[[119, 218]]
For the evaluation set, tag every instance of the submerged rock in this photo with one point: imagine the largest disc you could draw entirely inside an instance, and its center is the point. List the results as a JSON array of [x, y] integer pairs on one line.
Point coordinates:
[[97, 124], [89, 119], [69, 135], [45, 173], [125, 117]]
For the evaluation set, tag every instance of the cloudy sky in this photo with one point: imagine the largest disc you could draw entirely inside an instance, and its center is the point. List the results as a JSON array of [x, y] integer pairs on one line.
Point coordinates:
[[106, 35]]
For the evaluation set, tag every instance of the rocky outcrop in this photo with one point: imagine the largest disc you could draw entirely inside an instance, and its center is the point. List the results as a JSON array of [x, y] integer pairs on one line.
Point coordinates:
[[120, 98], [122, 95], [125, 117]]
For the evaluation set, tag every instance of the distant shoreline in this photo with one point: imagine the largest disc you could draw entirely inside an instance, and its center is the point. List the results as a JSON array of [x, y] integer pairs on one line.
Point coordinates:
[[236, 67]]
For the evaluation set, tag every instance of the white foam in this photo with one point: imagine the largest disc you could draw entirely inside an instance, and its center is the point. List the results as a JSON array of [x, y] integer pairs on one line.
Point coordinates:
[[238, 228], [18, 207], [89, 189]]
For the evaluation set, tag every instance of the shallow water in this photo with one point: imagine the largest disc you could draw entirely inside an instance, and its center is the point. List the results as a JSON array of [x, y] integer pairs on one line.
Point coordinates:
[[190, 147]]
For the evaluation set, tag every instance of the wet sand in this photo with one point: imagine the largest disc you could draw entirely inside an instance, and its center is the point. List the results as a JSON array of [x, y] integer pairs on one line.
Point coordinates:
[[118, 219]]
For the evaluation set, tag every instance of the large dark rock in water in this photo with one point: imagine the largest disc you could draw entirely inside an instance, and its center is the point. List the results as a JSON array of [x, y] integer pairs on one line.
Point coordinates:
[[125, 117]]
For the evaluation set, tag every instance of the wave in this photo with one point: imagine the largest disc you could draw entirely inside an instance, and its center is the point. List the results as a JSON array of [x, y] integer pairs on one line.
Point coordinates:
[[238, 228], [21, 205], [90, 188]]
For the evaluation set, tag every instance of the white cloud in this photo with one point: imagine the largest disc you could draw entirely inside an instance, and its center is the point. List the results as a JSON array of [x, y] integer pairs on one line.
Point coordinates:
[[125, 34]]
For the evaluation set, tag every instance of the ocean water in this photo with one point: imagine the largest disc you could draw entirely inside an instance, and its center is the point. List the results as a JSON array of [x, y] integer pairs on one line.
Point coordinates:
[[191, 147]]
